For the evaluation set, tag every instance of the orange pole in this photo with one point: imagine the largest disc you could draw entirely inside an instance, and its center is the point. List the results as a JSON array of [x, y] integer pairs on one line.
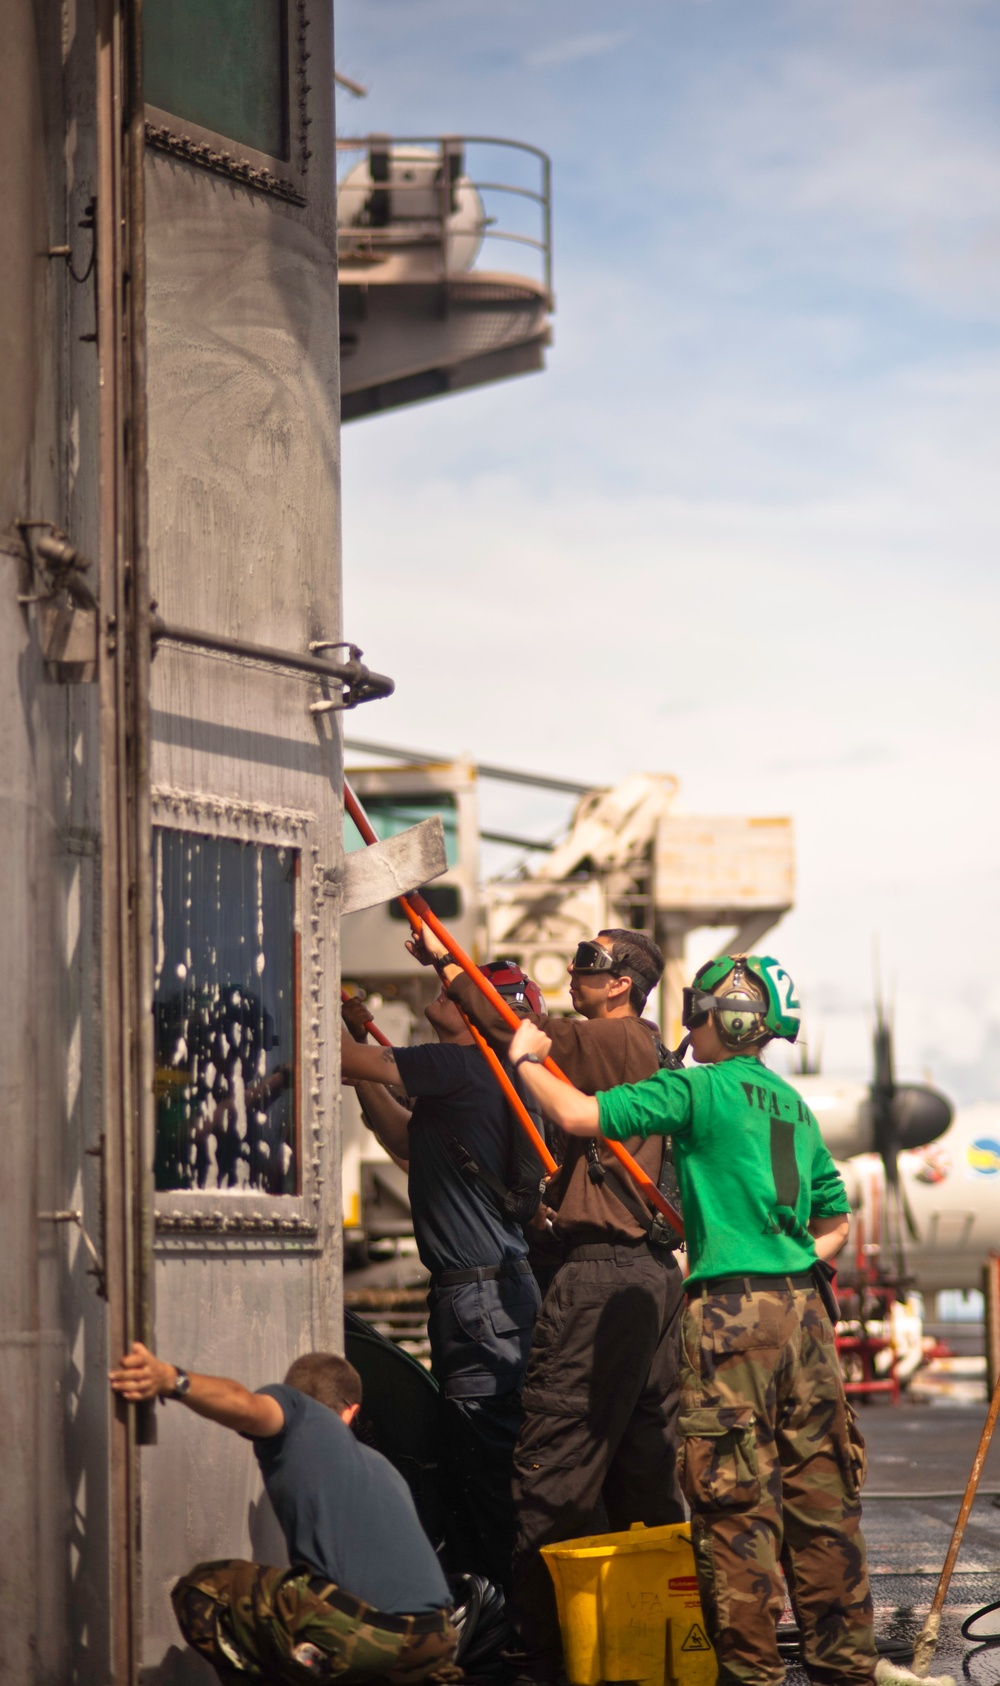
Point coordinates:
[[526, 1121], [416, 909]]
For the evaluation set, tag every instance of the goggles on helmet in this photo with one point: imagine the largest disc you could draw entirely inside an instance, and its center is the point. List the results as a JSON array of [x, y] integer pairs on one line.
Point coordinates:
[[593, 957], [514, 985], [696, 1007], [741, 1015]]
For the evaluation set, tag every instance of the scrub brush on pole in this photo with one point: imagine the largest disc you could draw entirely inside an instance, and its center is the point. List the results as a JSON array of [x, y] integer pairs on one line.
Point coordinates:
[[894, 1674]]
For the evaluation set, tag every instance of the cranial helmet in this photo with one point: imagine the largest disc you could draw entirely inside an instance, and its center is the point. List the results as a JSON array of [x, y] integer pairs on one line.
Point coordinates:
[[514, 985], [757, 1001]]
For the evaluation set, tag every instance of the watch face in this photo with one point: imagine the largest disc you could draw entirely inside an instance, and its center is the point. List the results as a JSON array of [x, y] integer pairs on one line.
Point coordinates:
[[182, 1384]]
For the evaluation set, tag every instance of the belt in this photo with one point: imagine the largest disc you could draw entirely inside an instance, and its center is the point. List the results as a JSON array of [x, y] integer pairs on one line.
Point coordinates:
[[480, 1273], [621, 1251], [749, 1284], [435, 1621]]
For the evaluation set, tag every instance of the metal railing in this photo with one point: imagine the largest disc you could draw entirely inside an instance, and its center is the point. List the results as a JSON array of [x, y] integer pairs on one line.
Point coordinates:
[[368, 241]]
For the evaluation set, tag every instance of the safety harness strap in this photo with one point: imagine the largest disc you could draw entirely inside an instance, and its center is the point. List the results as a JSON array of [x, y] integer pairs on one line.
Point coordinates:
[[659, 1231], [520, 1203], [520, 1196]]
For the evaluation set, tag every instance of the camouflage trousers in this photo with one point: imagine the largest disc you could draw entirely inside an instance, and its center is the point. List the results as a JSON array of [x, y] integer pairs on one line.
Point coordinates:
[[259, 1624], [772, 1467]]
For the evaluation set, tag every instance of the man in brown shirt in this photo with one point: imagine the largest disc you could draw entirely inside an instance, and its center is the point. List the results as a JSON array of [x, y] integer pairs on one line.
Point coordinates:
[[600, 1395]]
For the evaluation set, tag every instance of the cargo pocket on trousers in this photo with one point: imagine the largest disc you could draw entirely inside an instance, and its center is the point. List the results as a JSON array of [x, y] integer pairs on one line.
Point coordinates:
[[720, 1457], [468, 1312], [514, 1305]]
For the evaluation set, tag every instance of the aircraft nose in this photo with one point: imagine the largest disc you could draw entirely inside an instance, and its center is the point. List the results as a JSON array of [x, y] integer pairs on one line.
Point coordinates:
[[920, 1114]]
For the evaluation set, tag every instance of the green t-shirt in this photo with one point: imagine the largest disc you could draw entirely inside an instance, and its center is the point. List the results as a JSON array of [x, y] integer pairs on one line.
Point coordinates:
[[751, 1163]]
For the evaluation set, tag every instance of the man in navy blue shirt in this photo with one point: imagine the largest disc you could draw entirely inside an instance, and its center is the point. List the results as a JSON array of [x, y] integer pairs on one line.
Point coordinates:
[[365, 1597], [460, 1146]]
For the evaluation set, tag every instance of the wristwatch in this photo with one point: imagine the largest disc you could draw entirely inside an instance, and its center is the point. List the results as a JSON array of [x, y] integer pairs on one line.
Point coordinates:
[[529, 1059], [182, 1385]]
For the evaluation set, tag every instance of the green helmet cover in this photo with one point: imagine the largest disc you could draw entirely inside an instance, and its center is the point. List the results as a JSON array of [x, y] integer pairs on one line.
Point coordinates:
[[784, 1015]]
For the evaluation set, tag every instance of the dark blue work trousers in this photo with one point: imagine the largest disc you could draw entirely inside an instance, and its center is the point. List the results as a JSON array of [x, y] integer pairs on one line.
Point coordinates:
[[480, 1334]]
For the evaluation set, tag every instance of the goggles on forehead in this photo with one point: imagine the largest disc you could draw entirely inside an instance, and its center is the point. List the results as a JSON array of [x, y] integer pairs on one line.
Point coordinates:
[[591, 957]]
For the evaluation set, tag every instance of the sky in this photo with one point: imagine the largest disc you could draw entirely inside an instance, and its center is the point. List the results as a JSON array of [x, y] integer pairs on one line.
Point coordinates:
[[744, 527]]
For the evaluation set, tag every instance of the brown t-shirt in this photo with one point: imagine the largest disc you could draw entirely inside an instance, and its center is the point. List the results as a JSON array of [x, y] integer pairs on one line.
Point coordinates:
[[595, 1054]]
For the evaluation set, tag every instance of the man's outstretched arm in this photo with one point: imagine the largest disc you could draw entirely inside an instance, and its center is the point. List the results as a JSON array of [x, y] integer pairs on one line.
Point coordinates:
[[373, 1064], [141, 1375], [573, 1111]]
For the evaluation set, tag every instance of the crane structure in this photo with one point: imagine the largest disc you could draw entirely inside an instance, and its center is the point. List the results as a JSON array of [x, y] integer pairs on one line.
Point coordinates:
[[632, 859]]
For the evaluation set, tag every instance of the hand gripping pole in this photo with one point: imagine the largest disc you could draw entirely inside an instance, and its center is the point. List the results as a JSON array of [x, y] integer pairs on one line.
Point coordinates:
[[416, 911], [371, 1027]]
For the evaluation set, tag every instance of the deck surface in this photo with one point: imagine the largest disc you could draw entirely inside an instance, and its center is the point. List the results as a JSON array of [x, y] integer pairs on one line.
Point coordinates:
[[913, 1448], [929, 1449]]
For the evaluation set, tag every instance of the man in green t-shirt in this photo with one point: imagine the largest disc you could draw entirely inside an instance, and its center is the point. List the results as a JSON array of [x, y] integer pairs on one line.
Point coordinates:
[[773, 1458]]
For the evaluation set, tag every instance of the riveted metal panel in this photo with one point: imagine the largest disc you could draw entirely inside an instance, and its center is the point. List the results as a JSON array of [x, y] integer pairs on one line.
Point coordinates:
[[244, 542]]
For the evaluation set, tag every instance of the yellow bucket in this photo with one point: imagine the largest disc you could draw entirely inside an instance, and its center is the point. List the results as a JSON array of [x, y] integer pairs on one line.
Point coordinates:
[[629, 1608]]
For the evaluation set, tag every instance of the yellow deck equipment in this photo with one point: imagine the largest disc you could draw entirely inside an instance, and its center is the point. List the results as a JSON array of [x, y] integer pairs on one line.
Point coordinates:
[[629, 1608]]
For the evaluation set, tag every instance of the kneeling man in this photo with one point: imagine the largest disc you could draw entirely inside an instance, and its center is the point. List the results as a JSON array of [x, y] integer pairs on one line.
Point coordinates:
[[365, 1597]]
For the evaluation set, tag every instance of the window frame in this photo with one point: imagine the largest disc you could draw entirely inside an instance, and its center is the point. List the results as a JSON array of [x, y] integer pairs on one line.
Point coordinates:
[[201, 1214], [210, 149]]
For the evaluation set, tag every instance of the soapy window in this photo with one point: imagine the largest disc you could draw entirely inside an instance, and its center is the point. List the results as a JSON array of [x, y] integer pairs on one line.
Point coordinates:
[[225, 955]]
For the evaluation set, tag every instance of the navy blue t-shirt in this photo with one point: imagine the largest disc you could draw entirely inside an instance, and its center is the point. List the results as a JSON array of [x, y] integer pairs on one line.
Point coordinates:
[[456, 1220], [346, 1511]]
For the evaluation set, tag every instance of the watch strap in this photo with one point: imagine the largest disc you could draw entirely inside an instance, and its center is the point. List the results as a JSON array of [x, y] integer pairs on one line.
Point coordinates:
[[182, 1385]]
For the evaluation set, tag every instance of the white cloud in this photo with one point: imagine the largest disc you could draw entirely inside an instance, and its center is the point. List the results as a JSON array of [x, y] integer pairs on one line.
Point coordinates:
[[570, 49]]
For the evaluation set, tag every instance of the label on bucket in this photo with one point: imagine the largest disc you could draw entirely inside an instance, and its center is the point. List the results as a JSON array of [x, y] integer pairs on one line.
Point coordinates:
[[696, 1640], [683, 1583]]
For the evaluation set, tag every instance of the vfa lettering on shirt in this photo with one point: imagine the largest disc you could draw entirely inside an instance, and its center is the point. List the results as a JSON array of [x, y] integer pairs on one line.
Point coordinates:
[[768, 1100]]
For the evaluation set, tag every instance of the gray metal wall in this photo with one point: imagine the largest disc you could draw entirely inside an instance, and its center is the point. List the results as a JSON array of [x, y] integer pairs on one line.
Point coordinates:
[[54, 1591], [244, 540]]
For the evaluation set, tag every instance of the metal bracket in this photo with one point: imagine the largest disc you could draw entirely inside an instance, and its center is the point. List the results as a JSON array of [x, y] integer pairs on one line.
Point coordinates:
[[88, 222], [67, 608], [358, 682], [58, 562], [97, 1267]]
